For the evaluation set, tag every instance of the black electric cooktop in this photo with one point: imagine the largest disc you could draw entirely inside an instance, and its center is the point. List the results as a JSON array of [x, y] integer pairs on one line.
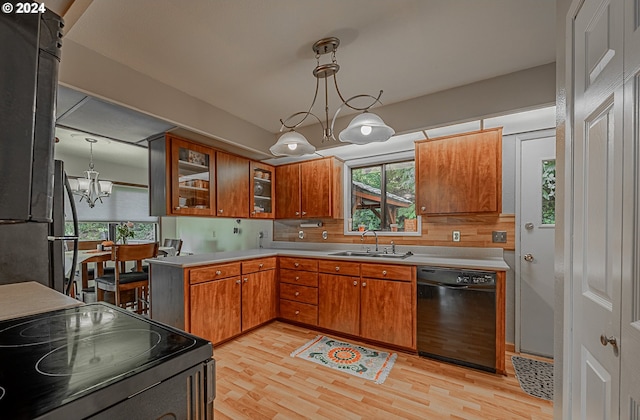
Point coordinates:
[[80, 355]]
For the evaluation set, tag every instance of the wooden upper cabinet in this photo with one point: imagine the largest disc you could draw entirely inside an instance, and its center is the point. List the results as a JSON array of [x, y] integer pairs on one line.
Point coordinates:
[[189, 187], [288, 191], [309, 189], [460, 173], [262, 191], [233, 185]]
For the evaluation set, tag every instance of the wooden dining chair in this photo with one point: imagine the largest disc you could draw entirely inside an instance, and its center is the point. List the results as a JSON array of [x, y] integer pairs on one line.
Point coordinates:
[[130, 289], [174, 243]]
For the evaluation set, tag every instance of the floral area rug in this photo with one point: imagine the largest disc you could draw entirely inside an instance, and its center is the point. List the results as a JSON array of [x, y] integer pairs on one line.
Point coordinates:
[[535, 376], [355, 360]]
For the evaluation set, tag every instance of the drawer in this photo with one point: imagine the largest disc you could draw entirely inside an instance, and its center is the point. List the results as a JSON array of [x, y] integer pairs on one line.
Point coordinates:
[[260, 264], [304, 264], [299, 312], [302, 294], [302, 278], [214, 272], [339, 267], [387, 271]]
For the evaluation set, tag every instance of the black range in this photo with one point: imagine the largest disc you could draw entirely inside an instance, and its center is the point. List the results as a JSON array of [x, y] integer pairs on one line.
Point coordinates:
[[100, 361]]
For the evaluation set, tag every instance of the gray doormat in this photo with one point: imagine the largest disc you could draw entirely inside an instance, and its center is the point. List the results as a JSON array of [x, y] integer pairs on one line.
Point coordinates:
[[535, 377]]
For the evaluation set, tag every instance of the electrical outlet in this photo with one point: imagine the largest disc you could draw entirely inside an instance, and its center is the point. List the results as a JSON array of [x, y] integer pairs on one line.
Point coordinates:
[[214, 234], [499, 236], [456, 236]]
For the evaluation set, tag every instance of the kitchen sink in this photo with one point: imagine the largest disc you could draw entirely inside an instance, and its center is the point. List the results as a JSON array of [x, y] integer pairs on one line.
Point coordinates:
[[371, 254]]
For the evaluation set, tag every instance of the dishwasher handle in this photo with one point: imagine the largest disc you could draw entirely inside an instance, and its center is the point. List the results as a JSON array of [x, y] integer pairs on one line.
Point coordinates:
[[432, 283]]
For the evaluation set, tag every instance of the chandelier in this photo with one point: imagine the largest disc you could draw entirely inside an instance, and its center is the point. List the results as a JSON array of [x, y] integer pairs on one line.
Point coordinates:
[[90, 188], [364, 128]]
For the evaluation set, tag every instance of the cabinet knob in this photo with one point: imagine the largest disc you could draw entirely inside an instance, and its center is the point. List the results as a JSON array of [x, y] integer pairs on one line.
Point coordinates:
[[423, 208], [218, 272], [220, 211], [364, 284], [296, 264], [304, 212], [297, 312], [253, 212], [246, 279], [297, 293], [337, 268], [260, 265], [297, 278], [237, 281], [355, 283], [177, 208], [297, 213], [384, 272]]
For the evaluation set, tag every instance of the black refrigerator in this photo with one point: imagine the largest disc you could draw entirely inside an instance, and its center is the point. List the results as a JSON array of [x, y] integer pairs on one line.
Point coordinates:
[[32, 189]]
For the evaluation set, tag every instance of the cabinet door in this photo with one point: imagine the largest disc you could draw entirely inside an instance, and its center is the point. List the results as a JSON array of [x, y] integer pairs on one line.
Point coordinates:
[[232, 185], [460, 174], [215, 309], [259, 303], [288, 191], [339, 303], [192, 179], [386, 311], [315, 188], [262, 194]]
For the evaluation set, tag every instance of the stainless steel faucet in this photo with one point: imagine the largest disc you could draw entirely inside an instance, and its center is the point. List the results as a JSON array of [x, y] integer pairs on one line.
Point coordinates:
[[374, 233]]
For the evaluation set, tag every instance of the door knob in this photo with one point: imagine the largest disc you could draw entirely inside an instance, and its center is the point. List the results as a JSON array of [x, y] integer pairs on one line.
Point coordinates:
[[608, 340], [528, 257], [528, 226]]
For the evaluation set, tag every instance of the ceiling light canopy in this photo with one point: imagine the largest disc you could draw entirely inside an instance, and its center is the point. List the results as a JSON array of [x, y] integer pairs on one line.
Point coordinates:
[[91, 188], [364, 128]]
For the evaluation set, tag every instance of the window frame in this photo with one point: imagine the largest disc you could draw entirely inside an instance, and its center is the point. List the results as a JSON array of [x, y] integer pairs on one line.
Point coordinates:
[[371, 161]]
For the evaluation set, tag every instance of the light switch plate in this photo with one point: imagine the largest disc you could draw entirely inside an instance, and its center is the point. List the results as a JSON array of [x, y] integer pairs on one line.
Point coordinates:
[[456, 236], [499, 236]]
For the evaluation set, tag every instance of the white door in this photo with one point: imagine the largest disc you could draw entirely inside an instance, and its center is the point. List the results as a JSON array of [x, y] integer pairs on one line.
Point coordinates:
[[630, 325], [595, 212], [536, 221]]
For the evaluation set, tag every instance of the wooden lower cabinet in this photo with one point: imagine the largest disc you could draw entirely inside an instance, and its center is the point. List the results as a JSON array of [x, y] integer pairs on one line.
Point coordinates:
[[215, 309], [386, 311], [298, 279], [258, 298], [339, 303]]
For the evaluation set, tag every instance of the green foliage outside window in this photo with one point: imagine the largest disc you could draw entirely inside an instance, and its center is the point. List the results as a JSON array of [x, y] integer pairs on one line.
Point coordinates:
[[548, 192], [99, 231], [399, 186]]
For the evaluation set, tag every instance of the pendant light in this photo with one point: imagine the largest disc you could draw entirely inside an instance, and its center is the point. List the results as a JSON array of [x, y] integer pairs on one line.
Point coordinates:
[[364, 128]]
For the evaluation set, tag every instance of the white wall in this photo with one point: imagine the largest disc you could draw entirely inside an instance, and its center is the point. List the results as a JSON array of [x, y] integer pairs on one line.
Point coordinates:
[[75, 167], [201, 235]]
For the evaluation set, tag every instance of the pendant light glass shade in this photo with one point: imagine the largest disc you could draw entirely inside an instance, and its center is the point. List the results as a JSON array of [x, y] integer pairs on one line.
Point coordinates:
[[366, 128], [292, 143]]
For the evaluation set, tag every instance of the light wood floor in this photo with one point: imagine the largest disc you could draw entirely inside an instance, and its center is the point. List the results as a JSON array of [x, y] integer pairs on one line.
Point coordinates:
[[257, 379]]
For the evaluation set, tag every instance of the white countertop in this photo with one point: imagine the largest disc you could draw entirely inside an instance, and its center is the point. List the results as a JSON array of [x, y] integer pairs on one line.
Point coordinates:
[[28, 298], [485, 262]]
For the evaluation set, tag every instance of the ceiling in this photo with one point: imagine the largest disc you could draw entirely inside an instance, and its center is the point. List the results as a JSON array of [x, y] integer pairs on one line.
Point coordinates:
[[253, 58]]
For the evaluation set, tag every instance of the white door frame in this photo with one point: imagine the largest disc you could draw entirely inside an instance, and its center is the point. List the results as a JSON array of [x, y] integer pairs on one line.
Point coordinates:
[[519, 139]]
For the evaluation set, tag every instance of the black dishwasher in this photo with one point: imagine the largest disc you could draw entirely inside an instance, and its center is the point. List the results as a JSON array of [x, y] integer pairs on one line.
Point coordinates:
[[457, 316]]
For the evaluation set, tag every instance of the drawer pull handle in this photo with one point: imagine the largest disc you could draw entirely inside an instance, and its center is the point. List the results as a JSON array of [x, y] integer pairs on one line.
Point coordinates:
[[355, 283], [218, 272], [337, 268], [297, 293], [384, 272], [297, 312], [296, 264]]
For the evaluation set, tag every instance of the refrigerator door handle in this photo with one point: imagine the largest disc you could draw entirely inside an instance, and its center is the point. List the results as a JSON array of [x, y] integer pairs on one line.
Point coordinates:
[[74, 213], [61, 238]]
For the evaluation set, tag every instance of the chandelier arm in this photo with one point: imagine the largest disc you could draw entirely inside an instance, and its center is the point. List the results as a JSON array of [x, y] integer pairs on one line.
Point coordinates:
[[307, 113]]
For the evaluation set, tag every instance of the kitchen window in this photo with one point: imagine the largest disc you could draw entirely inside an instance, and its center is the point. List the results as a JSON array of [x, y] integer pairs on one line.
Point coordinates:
[[383, 197]]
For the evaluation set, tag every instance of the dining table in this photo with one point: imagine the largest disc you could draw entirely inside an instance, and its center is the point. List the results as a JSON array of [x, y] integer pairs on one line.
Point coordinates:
[[86, 257]]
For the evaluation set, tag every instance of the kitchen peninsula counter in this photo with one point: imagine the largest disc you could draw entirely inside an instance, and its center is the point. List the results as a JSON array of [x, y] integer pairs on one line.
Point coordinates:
[[455, 259], [28, 298]]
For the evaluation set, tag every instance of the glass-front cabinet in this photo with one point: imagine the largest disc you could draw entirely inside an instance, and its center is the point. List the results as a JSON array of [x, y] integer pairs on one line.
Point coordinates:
[[262, 191], [192, 179]]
